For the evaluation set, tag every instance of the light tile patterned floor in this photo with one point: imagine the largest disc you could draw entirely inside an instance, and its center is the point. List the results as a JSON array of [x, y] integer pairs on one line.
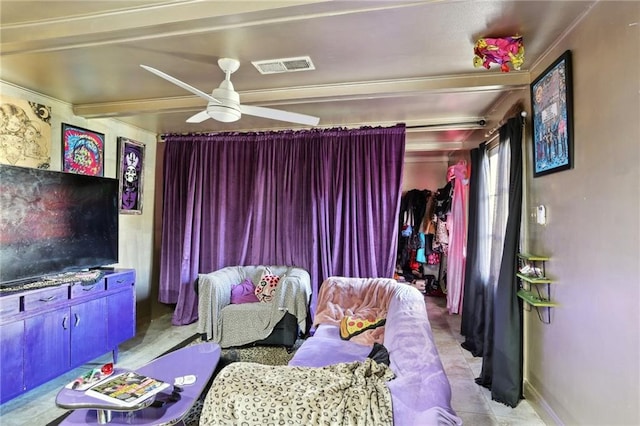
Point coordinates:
[[472, 402]]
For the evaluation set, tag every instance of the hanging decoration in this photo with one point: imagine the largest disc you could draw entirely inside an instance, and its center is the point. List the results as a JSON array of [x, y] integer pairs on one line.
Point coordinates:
[[499, 51]]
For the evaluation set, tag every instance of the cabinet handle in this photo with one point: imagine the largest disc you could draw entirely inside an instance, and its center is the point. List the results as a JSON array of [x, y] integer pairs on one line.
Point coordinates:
[[77, 320], [87, 288], [48, 299], [64, 322]]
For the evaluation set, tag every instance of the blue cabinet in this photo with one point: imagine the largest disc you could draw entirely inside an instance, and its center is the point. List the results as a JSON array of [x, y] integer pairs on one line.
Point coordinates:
[[47, 332], [12, 378], [88, 330], [46, 349], [121, 306]]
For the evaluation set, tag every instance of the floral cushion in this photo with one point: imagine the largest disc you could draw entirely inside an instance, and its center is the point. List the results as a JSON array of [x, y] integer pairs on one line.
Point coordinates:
[[266, 287], [243, 293]]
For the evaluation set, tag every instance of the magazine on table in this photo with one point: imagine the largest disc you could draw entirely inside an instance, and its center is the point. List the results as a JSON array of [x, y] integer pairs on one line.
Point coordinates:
[[127, 389]]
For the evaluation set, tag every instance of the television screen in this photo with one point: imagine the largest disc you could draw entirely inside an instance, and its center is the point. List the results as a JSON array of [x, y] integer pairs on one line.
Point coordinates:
[[53, 222]]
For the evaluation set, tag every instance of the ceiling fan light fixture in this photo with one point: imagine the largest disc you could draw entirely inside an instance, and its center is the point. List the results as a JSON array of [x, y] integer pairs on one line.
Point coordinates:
[[228, 110], [223, 113]]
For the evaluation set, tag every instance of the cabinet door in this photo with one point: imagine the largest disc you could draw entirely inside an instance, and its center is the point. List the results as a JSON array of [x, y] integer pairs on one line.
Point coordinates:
[[12, 377], [46, 346], [88, 331], [121, 309]]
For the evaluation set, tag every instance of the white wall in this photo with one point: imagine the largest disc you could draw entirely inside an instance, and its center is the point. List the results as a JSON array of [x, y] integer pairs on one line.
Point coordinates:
[[135, 233], [584, 367]]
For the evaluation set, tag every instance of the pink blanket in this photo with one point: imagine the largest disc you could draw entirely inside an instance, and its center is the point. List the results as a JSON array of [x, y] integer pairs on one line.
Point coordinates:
[[341, 296]]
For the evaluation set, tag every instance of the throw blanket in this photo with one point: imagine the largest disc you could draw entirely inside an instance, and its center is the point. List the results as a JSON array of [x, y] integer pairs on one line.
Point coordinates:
[[341, 394], [292, 295], [366, 298]]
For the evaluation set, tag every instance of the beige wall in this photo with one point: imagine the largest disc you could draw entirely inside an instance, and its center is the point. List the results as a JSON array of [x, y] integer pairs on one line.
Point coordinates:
[[135, 239], [424, 174], [584, 367]]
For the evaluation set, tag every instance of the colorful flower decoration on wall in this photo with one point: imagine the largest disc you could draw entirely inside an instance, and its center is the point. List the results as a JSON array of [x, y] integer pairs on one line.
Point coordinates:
[[499, 51]]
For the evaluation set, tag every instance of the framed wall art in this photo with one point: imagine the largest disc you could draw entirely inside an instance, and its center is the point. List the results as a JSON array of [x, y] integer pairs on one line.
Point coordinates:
[[82, 151], [25, 133], [552, 107], [130, 173]]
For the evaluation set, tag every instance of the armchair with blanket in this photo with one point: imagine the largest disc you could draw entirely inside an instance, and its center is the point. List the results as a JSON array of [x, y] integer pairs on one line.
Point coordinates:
[[275, 320]]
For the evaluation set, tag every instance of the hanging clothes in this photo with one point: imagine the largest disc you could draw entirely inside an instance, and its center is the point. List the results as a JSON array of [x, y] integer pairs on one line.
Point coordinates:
[[457, 225], [442, 208], [411, 242]]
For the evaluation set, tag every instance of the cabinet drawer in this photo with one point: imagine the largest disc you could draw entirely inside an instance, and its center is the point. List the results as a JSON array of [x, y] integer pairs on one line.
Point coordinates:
[[120, 280], [41, 299], [80, 290], [9, 305]]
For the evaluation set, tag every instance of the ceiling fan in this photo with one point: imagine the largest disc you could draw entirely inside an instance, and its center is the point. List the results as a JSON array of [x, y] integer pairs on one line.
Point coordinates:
[[224, 102]]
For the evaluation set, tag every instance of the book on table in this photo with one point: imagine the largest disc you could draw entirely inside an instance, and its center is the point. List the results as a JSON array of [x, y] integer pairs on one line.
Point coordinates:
[[127, 389]]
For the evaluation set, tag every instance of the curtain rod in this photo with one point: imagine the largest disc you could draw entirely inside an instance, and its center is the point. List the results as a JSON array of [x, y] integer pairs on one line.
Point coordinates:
[[494, 134], [421, 126], [501, 123]]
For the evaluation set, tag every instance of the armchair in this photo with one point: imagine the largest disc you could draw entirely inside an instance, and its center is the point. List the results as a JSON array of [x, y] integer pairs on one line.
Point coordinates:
[[240, 324]]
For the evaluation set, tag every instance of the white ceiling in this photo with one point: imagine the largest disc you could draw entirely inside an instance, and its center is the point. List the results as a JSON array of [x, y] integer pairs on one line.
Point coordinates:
[[377, 62]]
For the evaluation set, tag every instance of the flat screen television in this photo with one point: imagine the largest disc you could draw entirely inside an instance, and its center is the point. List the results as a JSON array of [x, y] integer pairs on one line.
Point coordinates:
[[53, 222]]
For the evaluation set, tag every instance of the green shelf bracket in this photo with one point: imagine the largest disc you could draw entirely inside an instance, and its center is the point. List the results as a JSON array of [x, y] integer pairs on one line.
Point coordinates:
[[542, 304]]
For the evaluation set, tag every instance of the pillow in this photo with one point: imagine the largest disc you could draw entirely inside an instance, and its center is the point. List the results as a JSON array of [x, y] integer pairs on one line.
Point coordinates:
[[243, 293], [352, 326], [266, 286]]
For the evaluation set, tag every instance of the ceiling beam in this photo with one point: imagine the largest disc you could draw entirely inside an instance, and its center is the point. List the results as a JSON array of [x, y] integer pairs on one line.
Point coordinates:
[[314, 94], [167, 19]]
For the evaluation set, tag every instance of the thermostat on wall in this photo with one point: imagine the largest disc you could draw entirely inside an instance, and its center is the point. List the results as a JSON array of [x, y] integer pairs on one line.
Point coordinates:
[[541, 215]]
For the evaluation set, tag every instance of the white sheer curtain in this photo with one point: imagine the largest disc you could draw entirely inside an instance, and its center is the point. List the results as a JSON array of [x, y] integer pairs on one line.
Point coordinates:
[[499, 208], [485, 221]]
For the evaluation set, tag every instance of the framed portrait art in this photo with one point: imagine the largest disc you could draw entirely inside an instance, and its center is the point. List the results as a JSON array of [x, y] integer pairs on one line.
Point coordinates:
[[130, 173], [82, 151], [552, 107]]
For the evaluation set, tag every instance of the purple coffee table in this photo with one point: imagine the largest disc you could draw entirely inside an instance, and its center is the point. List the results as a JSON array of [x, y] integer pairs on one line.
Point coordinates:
[[199, 360]]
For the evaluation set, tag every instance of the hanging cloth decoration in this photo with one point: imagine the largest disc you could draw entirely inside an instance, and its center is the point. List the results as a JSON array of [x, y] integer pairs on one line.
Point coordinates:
[[499, 51]]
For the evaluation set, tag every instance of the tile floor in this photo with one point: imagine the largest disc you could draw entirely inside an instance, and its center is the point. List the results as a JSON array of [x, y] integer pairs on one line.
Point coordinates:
[[471, 402]]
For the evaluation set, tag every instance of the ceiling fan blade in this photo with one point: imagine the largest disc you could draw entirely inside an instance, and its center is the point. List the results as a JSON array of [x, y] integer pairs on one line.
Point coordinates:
[[276, 114], [181, 84], [199, 117]]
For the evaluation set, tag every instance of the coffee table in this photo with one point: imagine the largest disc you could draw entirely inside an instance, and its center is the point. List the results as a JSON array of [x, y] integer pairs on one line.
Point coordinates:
[[199, 360]]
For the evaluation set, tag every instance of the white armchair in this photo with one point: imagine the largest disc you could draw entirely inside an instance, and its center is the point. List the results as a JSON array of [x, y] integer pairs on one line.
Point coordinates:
[[240, 324]]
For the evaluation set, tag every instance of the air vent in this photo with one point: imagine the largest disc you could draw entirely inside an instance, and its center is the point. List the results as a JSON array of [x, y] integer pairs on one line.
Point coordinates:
[[273, 66]]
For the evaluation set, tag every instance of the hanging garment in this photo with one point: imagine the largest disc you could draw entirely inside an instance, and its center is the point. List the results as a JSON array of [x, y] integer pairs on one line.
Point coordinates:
[[457, 224], [442, 200], [441, 238], [413, 206], [420, 252]]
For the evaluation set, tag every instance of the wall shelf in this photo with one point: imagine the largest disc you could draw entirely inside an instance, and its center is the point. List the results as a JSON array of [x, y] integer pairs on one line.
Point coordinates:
[[532, 276]]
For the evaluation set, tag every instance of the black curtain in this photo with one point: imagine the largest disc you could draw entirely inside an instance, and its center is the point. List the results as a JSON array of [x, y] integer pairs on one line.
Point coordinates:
[[502, 355], [472, 322]]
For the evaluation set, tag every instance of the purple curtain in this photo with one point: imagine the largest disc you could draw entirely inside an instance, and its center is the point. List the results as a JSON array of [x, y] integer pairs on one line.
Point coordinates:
[[323, 200]]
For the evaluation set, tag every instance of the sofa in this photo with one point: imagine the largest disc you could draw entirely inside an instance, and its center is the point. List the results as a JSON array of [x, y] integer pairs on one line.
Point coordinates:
[[388, 372], [275, 321], [420, 390]]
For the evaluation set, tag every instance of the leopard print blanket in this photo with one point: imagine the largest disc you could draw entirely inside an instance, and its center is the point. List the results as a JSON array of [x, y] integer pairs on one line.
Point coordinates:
[[341, 394]]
